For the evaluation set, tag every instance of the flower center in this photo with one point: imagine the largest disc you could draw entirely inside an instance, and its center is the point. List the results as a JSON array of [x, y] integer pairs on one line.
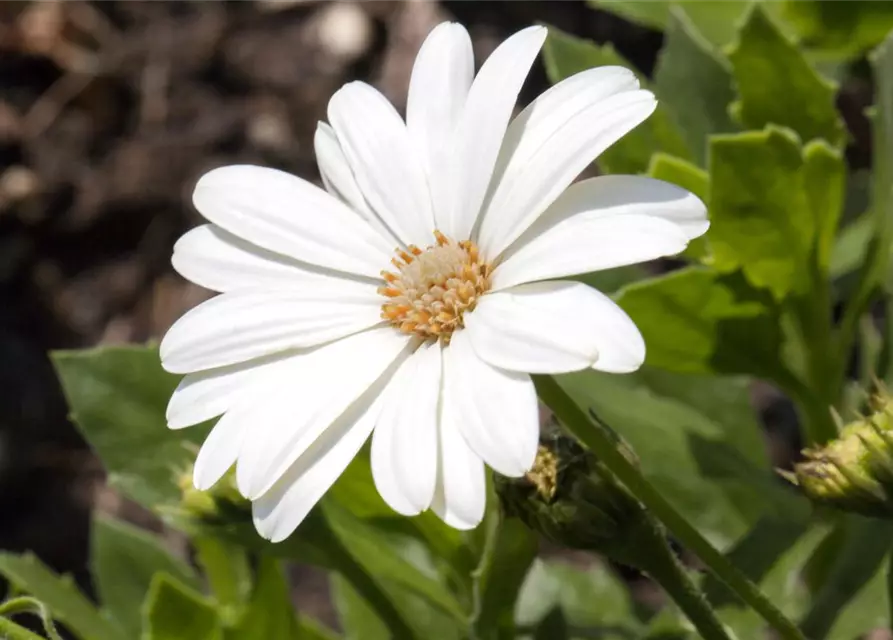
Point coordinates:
[[434, 287]]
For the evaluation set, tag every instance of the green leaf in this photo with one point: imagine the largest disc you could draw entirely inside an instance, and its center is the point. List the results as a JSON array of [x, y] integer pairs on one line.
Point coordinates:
[[173, 611], [844, 29], [875, 267], [117, 397], [358, 620], [587, 598], [270, 613], [564, 55], [509, 550], [226, 569], [774, 208], [723, 495], [860, 558], [778, 86], [695, 320], [688, 176], [781, 584], [759, 550], [694, 84], [716, 20], [372, 550], [65, 601], [124, 560]]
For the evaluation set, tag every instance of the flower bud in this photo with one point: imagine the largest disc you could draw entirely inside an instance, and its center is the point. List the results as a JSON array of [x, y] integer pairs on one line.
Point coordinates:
[[220, 504], [853, 472], [570, 498]]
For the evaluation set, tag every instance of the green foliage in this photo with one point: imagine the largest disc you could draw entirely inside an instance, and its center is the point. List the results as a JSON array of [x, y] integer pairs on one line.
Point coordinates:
[[60, 595], [269, 613], [843, 29], [694, 84], [125, 560], [716, 20], [173, 611], [696, 320], [774, 208], [778, 86], [117, 398], [564, 55]]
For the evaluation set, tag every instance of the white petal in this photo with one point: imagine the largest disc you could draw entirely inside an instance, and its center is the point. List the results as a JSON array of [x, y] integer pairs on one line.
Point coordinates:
[[441, 78], [205, 395], [554, 327], [627, 195], [339, 180], [285, 214], [384, 161], [323, 383], [496, 409], [218, 452], [534, 179], [603, 223], [482, 125], [279, 511], [217, 260], [241, 325], [461, 494], [404, 446]]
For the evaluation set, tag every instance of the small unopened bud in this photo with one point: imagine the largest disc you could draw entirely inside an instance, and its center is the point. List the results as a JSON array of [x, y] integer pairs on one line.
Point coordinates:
[[853, 472], [220, 504], [570, 498]]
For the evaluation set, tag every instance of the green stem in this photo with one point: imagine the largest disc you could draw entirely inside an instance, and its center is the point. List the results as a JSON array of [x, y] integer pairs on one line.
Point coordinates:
[[602, 446], [12, 631], [27, 604], [655, 557]]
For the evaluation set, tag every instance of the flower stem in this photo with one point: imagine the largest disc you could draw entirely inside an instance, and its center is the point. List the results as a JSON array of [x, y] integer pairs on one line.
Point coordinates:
[[594, 437], [654, 556], [12, 631], [27, 604]]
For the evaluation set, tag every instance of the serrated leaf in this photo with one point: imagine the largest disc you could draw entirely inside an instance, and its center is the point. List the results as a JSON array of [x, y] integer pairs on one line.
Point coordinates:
[[65, 601], [694, 84], [774, 208], [778, 86], [564, 55], [173, 611], [270, 613], [117, 397], [124, 560], [844, 29], [695, 320]]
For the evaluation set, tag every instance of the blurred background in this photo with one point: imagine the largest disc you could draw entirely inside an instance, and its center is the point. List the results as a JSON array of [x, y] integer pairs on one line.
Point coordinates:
[[109, 112]]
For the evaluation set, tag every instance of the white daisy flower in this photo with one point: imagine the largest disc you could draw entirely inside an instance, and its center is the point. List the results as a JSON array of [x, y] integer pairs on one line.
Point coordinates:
[[412, 298]]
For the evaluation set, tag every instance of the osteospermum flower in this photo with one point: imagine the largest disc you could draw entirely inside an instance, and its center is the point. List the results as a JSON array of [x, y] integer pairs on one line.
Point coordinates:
[[412, 298]]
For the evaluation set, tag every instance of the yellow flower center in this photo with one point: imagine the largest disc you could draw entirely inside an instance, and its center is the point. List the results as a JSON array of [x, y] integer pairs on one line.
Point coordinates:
[[434, 287]]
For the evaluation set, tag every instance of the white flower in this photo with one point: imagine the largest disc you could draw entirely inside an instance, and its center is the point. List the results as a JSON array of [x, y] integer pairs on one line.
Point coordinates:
[[323, 333]]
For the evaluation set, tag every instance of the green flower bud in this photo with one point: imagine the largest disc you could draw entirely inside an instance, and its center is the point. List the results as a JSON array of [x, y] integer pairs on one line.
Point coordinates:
[[570, 498], [220, 504], [853, 472]]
